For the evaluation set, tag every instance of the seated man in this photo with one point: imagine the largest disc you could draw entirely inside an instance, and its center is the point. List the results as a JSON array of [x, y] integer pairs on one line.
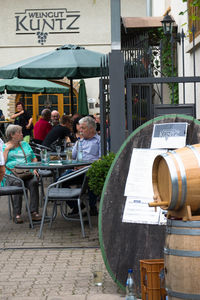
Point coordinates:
[[91, 147], [61, 131], [43, 126], [55, 118], [91, 144]]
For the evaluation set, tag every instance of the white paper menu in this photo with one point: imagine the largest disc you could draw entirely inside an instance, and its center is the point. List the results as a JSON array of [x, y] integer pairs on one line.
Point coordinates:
[[139, 189]]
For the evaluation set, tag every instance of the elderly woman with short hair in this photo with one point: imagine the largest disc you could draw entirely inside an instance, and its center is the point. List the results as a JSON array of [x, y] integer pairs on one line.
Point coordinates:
[[14, 155]]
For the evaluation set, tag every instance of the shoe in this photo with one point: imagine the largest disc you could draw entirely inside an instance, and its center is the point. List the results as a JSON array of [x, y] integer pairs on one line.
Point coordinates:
[[36, 217], [18, 220], [93, 211]]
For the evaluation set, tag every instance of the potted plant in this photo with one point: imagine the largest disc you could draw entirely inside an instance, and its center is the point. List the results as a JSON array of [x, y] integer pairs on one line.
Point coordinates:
[[97, 173]]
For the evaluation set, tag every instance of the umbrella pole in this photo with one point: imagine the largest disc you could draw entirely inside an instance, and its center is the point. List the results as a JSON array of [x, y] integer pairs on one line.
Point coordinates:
[[71, 94]]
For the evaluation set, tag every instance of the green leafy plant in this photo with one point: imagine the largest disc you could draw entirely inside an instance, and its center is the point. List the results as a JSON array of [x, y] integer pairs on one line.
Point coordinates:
[[169, 68], [98, 171], [194, 14]]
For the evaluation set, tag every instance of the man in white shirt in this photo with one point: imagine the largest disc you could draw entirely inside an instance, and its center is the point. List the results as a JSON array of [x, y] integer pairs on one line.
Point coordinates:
[[2, 163]]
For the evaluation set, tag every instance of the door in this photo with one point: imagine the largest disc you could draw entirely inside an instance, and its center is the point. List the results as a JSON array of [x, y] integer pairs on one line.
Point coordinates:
[[35, 103]]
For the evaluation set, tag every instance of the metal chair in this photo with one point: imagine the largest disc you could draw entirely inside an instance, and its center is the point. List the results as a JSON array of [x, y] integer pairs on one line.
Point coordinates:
[[10, 190], [55, 192], [43, 174], [37, 148]]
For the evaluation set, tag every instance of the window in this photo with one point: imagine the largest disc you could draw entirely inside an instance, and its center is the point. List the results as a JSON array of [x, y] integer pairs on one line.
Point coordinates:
[[35, 103], [193, 11], [67, 103], [91, 105]]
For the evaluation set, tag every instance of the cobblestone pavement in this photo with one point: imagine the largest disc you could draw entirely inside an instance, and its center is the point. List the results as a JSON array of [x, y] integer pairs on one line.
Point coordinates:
[[58, 266]]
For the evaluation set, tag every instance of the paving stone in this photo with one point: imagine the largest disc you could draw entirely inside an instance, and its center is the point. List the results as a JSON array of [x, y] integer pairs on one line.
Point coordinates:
[[67, 297], [104, 297], [57, 267]]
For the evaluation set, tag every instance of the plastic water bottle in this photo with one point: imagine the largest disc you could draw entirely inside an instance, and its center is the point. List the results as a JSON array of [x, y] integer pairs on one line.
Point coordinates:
[[130, 286], [80, 150]]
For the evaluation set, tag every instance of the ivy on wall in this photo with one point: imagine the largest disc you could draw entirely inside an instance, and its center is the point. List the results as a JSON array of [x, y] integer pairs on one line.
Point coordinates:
[[167, 57]]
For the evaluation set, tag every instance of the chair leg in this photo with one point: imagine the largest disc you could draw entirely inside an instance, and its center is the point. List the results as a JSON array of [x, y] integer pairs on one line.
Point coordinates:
[[28, 209], [54, 213], [43, 216], [81, 217], [88, 214], [42, 195], [10, 205]]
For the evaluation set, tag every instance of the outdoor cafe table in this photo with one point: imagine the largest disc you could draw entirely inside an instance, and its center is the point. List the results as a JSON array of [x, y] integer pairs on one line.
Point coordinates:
[[54, 165]]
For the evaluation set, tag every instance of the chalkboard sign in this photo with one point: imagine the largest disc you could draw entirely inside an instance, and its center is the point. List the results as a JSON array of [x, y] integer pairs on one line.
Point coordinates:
[[124, 244], [169, 136]]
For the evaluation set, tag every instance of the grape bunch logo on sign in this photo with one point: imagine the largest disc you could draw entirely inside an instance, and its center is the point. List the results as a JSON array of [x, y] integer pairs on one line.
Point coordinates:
[[42, 36], [44, 22]]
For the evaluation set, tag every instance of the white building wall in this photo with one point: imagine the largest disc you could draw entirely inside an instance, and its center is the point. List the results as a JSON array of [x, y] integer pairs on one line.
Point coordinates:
[[21, 20], [158, 8], [182, 21]]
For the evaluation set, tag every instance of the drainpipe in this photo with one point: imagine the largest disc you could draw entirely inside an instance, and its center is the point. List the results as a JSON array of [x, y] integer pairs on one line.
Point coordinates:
[[116, 73], [149, 8], [115, 24]]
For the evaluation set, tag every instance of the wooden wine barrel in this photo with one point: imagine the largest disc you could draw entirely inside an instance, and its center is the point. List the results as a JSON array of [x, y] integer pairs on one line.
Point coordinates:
[[182, 260], [176, 178], [124, 244]]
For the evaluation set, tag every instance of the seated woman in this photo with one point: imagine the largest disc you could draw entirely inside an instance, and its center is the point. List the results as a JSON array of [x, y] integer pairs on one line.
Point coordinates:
[[76, 128], [14, 155]]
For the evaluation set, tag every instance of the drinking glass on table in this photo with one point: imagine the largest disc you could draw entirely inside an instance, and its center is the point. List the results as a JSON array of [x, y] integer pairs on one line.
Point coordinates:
[[68, 152], [44, 156], [58, 151]]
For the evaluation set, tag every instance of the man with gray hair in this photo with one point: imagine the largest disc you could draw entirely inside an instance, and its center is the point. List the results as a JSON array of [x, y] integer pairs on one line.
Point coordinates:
[[91, 144], [43, 126], [55, 118], [91, 147]]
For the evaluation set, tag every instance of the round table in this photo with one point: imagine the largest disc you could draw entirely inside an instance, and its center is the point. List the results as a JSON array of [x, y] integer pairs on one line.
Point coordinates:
[[54, 165]]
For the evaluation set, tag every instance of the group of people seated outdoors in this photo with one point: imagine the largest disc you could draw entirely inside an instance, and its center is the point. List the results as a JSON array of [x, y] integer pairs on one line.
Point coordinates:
[[49, 129]]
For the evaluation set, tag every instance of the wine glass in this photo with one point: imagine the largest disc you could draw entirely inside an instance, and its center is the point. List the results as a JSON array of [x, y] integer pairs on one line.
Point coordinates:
[[58, 151]]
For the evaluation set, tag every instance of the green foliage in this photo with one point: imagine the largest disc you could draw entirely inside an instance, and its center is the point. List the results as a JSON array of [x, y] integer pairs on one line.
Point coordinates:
[[98, 171], [167, 70], [194, 3]]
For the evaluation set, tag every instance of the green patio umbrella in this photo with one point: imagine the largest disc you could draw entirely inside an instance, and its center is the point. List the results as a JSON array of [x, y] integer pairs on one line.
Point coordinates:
[[17, 85], [72, 61], [82, 99]]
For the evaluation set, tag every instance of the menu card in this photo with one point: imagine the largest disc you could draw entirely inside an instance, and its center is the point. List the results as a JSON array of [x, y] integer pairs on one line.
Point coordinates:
[[139, 189]]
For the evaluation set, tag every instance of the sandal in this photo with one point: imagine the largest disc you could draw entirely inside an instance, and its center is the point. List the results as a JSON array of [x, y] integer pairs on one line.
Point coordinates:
[[36, 217], [18, 220]]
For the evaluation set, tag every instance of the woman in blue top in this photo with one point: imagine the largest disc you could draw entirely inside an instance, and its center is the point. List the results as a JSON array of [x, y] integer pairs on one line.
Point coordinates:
[[13, 155]]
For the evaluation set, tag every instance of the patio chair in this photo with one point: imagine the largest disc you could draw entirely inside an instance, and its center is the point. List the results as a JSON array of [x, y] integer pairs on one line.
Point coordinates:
[[43, 174], [37, 148], [55, 192], [10, 190]]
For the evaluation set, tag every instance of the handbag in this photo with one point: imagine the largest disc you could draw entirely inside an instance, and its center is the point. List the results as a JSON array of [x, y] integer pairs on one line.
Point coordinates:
[[22, 173]]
